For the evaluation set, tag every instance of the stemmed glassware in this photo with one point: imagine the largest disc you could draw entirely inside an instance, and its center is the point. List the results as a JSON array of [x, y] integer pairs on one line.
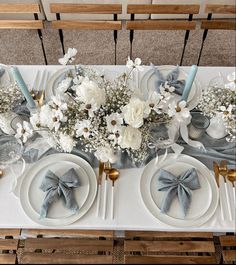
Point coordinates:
[[11, 151]]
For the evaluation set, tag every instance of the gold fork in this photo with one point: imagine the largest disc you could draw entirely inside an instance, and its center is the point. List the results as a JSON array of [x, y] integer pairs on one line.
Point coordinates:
[[38, 91]]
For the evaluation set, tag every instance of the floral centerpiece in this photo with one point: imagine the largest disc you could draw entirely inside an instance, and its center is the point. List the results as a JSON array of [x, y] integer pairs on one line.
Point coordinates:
[[106, 116], [219, 100]]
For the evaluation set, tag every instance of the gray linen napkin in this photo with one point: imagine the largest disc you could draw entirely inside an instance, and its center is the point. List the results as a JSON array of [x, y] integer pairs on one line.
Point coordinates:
[[171, 79], [59, 187], [180, 186]]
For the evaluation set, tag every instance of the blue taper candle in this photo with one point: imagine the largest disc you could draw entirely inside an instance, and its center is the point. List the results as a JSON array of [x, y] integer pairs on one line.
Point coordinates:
[[189, 82], [24, 89]]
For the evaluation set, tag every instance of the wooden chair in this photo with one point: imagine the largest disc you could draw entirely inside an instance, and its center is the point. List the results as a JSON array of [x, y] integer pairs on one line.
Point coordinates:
[[9, 240], [33, 9], [228, 248], [157, 24], [220, 24], [52, 246], [168, 248], [87, 24]]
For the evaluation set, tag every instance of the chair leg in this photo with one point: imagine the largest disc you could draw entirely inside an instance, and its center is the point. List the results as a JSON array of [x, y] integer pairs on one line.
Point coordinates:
[[43, 49], [131, 44], [115, 40], [200, 53], [62, 41], [185, 44], [203, 40]]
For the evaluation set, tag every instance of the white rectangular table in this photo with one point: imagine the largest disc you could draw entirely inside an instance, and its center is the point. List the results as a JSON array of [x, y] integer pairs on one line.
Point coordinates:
[[130, 211]]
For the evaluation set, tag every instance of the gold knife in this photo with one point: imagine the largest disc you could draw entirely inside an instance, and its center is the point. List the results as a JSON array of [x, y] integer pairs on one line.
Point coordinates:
[[217, 173], [99, 179]]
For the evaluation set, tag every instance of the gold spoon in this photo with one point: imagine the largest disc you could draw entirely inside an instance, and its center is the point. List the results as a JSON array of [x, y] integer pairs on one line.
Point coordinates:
[[113, 176], [1, 173]]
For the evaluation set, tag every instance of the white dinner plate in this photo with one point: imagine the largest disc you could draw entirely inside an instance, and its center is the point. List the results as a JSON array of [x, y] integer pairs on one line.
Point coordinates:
[[57, 209], [31, 207], [174, 217], [201, 198], [149, 79]]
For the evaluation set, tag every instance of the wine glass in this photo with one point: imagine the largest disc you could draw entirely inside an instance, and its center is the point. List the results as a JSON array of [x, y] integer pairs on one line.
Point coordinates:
[[162, 135], [11, 151]]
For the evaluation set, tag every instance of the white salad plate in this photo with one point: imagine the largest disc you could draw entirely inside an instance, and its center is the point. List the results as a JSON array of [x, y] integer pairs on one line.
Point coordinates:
[[31, 196], [204, 200]]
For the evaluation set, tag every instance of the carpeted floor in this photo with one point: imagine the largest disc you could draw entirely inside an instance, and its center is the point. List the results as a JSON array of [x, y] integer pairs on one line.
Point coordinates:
[[97, 47]]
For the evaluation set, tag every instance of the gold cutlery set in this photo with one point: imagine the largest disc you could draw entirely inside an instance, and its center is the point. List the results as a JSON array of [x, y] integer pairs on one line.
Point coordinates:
[[228, 177], [112, 174]]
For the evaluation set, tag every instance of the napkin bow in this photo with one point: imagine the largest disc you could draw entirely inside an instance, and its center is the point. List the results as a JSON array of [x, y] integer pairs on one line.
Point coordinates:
[[59, 187], [171, 79], [180, 186]]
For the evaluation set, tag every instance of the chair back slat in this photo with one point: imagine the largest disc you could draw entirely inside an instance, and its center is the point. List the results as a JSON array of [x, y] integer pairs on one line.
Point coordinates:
[[53, 246], [10, 232], [163, 9], [86, 8], [8, 259], [219, 24], [160, 25], [19, 8], [87, 25], [21, 24], [168, 248], [69, 244], [162, 259], [60, 258], [68, 233], [220, 9]]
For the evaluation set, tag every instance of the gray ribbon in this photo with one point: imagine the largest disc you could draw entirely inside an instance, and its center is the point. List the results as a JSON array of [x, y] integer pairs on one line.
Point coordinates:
[[171, 79], [59, 187], [180, 186]]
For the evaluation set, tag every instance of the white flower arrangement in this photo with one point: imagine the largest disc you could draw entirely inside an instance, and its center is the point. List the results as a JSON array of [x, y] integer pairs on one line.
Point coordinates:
[[105, 116], [220, 99]]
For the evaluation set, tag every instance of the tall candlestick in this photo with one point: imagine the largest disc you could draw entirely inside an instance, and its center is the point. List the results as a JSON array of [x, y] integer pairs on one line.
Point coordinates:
[[21, 83], [189, 82]]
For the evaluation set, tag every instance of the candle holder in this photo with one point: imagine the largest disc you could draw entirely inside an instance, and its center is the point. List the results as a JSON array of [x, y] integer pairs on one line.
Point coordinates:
[[198, 126]]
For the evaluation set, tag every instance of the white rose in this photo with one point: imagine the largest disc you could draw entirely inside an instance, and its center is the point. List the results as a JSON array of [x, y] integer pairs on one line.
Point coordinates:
[[131, 138], [67, 143], [105, 154], [134, 112], [89, 93]]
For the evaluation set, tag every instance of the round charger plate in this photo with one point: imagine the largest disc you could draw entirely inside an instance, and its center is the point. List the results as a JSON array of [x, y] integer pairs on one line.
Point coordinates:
[[46, 163], [149, 78], [57, 210], [153, 205], [197, 207]]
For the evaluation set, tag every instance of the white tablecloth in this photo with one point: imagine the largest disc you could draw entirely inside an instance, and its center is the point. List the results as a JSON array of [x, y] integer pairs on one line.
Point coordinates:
[[130, 211]]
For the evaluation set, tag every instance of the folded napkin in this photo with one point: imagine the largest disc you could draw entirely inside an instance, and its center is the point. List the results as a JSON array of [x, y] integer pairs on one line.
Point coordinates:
[[180, 186], [171, 79], [59, 187]]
